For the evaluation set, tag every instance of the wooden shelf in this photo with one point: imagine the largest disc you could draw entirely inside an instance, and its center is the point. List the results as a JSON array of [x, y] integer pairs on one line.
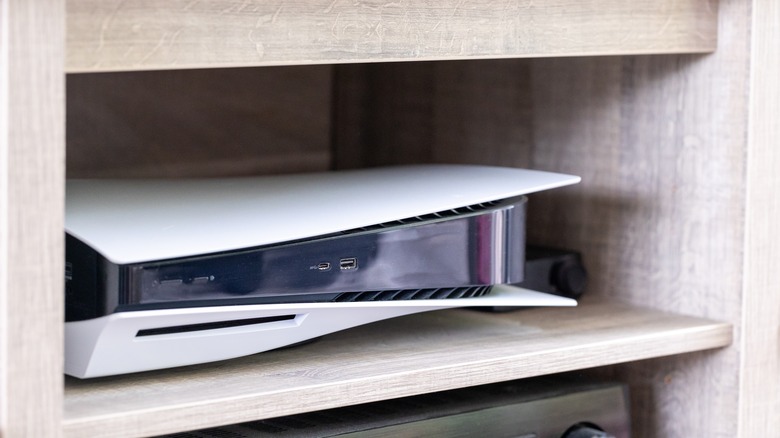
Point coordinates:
[[666, 146], [111, 35], [395, 358]]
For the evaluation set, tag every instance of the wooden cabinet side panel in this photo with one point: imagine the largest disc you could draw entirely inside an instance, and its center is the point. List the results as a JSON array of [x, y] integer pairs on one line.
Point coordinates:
[[660, 143], [760, 390], [31, 208]]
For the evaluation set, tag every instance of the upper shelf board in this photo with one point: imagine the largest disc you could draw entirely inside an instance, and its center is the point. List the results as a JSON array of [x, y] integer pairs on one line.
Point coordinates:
[[407, 356], [121, 35]]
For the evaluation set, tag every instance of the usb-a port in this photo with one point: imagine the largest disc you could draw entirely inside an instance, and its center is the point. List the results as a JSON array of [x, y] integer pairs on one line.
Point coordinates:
[[348, 263]]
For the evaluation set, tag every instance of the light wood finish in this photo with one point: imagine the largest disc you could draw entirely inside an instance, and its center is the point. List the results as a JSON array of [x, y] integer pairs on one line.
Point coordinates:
[[652, 209], [395, 358], [199, 123], [760, 371], [105, 35], [31, 203], [677, 211], [660, 143]]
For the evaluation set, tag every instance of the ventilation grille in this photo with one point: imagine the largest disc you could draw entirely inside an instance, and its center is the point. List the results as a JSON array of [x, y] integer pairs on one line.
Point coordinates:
[[438, 215], [414, 294]]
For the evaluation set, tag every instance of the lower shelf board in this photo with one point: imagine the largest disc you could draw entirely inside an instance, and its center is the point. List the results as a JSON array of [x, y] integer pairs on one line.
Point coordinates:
[[395, 358]]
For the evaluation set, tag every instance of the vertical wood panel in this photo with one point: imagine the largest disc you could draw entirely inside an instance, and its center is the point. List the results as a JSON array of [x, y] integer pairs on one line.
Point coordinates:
[[31, 210], [660, 211], [199, 123], [438, 112], [576, 129], [482, 112], [351, 103], [760, 390], [659, 142], [383, 114]]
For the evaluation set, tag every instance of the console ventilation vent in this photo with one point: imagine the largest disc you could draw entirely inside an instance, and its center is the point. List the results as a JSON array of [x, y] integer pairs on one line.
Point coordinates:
[[427, 217], [414, 294]]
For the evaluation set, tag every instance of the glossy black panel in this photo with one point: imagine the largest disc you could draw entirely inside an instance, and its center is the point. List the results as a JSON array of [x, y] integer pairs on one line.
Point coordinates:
[[472, 246], [475, 248], [83, 288]]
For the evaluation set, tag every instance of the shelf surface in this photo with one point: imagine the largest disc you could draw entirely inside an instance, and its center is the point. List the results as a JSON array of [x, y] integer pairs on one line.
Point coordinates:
[[395, 358], [111, 35]]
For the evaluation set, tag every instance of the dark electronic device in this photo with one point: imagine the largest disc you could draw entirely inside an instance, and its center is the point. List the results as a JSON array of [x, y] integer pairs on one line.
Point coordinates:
[[167, 273], [555, 271], [546, 407]]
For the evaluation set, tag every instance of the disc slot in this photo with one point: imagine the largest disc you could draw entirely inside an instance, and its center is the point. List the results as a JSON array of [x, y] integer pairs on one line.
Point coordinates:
[[212, 325]]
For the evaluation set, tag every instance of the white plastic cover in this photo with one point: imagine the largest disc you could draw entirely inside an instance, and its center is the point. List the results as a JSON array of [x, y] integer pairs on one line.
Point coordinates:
[[110, 345], [132, 221]]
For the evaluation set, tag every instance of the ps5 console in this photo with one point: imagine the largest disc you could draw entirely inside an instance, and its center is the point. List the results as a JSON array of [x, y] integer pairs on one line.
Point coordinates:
[[165, 273]]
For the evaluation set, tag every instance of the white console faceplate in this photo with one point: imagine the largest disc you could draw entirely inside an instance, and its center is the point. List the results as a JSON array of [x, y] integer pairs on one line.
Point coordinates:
[[132, 221], [109, 345]]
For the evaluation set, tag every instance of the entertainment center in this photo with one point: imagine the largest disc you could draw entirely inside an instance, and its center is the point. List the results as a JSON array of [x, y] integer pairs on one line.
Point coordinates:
[[667, 109]]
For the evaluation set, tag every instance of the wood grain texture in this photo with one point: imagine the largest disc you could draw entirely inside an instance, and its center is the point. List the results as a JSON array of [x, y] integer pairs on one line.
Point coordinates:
[[677, 210], [108, 35], [199, 123], [390, 359], [31, 205], [444, 112], [660, 143], [383, 114], [651, 210], [760, 372]]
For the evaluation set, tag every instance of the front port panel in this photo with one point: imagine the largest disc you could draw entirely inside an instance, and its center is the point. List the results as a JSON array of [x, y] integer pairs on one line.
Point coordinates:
[[471, 247]]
